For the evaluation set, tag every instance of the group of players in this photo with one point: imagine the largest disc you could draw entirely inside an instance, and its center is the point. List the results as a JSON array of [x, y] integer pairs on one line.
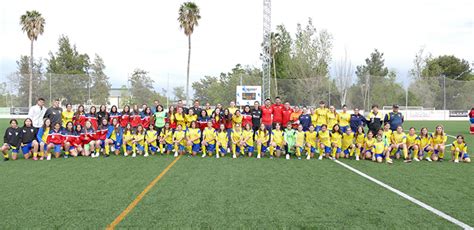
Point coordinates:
[[273, 129]]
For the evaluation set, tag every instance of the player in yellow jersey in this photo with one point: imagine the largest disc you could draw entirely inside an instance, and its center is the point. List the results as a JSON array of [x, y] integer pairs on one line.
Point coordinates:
[[439, 142], [426, 144], [221, 141], [128, 145], [413, 142], [332, 117], [67, 115], [208, 140], [247, 138], [193, 138], [150, 140], [311, 142], [344, 119], [324, 137], [399, 142], [262, 136], [179, 140], [314, 117], [237, 118], [387, 135], [139, 141], [459, 150], [369, 142], [348, 145], [359, 141], [189, 118], [321, 116], [299, 141], [179, 118], [166, 139], [336, 141], [380, 149], [236, 138], [276, 142]]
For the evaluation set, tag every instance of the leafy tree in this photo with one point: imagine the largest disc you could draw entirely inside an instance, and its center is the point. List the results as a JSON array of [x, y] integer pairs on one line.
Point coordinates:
[[21, 80], [189, 16], [32, 23], [449, 66], [66, 72], [178, 93], [100, 82], [142, 91]]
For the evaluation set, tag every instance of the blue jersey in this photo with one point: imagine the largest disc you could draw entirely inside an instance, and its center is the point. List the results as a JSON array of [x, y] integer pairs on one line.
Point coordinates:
[[305, 121], [394, 119]]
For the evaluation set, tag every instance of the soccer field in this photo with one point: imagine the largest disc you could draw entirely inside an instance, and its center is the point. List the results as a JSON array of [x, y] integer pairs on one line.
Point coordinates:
[[234, 193]]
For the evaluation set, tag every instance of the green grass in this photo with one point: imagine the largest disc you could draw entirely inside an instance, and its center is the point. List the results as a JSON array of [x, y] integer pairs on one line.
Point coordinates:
[[227, 193]]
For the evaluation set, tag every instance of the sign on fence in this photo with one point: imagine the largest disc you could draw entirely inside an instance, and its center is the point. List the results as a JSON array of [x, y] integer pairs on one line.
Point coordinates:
[[247, 95]]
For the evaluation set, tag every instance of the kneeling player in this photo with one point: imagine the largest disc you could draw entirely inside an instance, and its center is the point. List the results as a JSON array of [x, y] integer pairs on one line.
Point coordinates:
[[459, 150]]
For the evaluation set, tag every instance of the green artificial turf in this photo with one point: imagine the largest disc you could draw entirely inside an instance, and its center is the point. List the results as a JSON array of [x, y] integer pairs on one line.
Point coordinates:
[[234, 193]]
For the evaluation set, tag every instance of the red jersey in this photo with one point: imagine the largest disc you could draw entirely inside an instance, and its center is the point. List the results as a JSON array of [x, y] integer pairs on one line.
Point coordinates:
[[146, 120], [286, 116], [202, 125], [93, 120], [101, 133], [79, 120], [113, 116], [55, 137], [278, 113], [124, 119], [76, 139], [267, 115], [87, 136], [247, 119], [471, 114], [135, 119]]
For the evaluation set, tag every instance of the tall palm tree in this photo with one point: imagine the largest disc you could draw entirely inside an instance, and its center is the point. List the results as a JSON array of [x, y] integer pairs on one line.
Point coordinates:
[[275, 47], [32, 23], [188, 19]]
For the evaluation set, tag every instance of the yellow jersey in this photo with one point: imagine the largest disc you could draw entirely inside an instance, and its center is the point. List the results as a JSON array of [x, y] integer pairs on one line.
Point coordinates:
[[360, 138], [399, 138], [113, 136], [347, 140], [314, 119], [332, 119], [277, 136], [179, 136], [262, 136], [321, 116], [426, 141], [167, 135], [336, 138], [325, 138], [379, 147], [462, 147], [151, 135], [300, 136], [310, 138], [388, 134], [369, 143], [232, 110], [209, 135], [236, 136], [248, 134], [439, 139], [344, 119], [194, 134], [66, 117], [44, 138], [412, 140], [236, 120], [222, 139], [128, 137], [140, 138], [190, 118], [180, 120]]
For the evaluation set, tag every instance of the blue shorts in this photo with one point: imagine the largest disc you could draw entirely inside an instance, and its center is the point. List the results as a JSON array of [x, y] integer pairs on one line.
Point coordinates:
[[222, 150], [57, 148], [463, 155], [264, 148], [368, 151], [250, 149], [472, 120], [153, 148], [13, 148], [379, 155], [426, 149], [312, 149], [211, 147], [196, 147], [128, 147], [169, 147], [344, 128], [26, 148], [117, 144], [181, 147], [347, 151], [338, 150], [140, 148], [102, 143], [327, 149]]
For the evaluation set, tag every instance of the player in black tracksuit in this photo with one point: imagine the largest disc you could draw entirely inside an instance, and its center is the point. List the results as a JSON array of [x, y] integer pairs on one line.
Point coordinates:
[[11, 140], [28, 139]]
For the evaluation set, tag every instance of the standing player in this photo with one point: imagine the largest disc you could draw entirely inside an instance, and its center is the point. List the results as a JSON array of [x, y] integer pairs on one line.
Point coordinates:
[[114, 114], [394, 118], [67, 115], [256, 116], [321, 116], [332, 117], [125, 116], [286, 114], [344, 119], [267, 112], [277, 111], [375, 119]]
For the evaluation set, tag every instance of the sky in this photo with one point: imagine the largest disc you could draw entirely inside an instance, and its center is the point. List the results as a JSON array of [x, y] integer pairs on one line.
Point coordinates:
[[146, 34]]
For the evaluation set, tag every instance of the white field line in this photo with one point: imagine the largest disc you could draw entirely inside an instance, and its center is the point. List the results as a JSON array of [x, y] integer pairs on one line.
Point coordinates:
[[406, 196]]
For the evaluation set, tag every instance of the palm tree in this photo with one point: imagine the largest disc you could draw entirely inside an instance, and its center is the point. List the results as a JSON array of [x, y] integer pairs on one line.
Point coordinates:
[[275, 47], [33, 24], [188, 19]]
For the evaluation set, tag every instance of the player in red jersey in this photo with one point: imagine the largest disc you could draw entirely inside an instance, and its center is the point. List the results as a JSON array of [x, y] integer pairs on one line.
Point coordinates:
[[287, 111], [125, 116], [267, 112], [277, 111]]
